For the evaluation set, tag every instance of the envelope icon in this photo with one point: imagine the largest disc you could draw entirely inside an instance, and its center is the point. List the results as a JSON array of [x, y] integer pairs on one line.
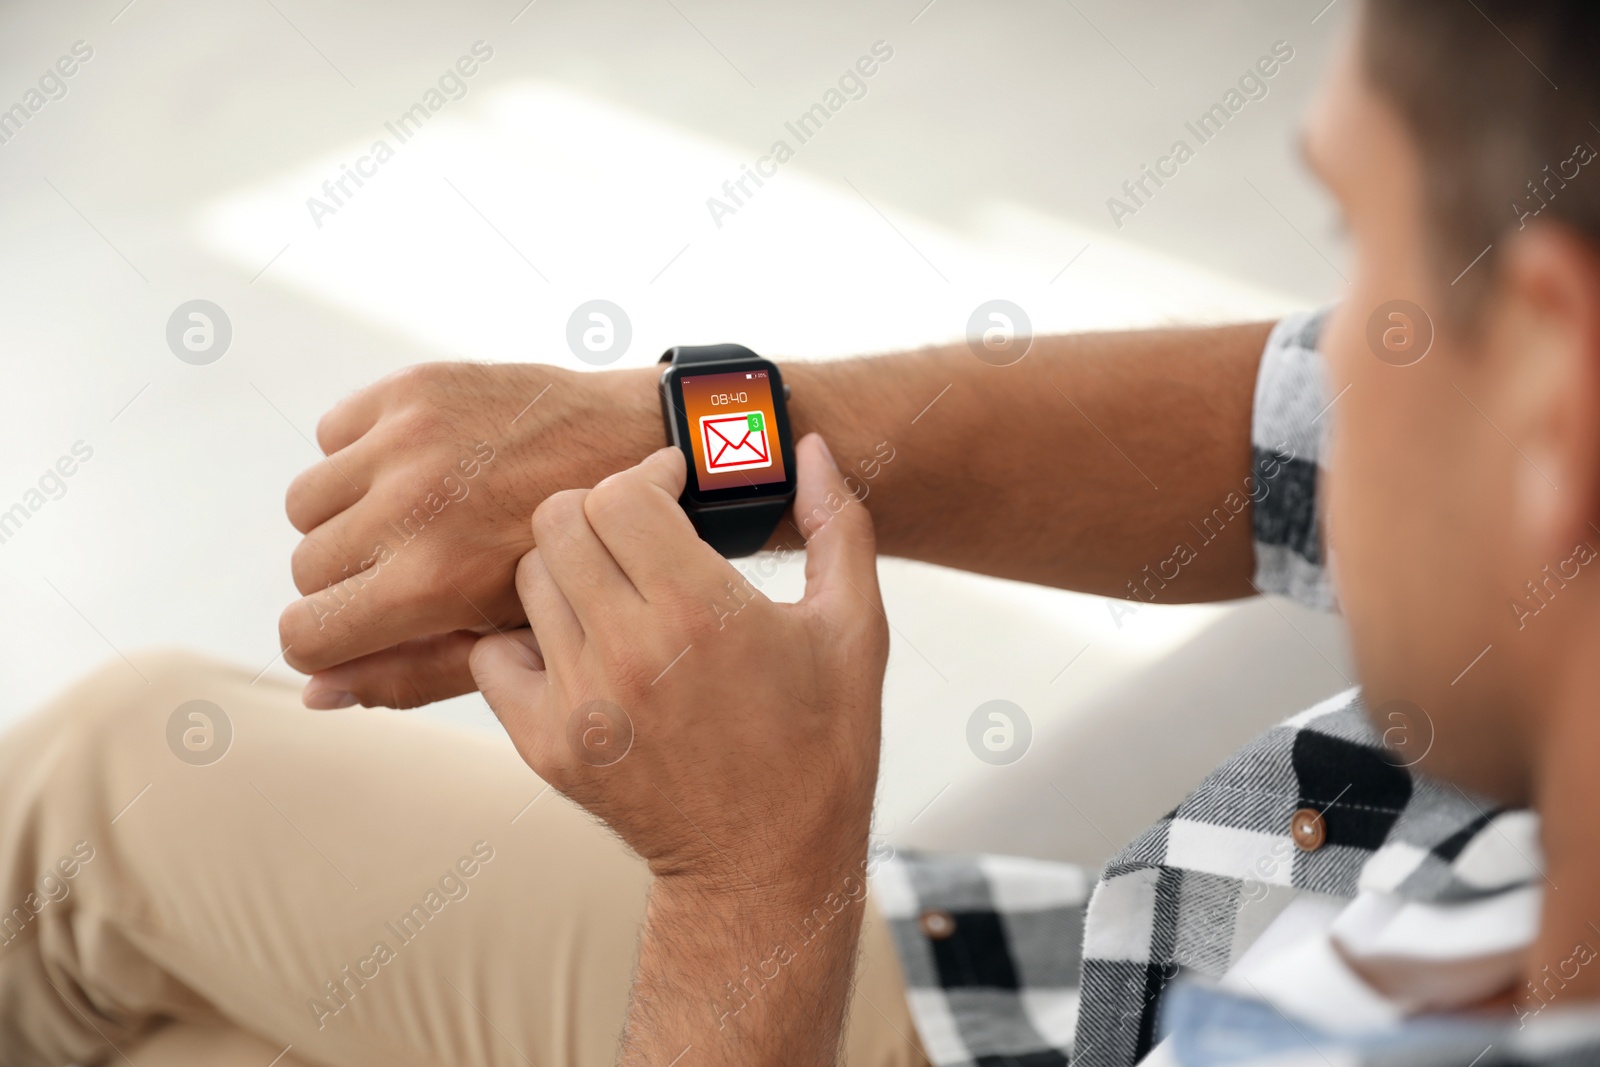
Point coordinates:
[[736, 441]]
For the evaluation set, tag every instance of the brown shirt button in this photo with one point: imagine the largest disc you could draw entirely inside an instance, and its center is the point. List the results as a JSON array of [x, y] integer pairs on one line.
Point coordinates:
[[1309, 829], [936, 925]]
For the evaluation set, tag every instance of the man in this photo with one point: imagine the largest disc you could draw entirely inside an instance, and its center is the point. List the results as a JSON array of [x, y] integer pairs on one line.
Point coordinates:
[[1344, 906]]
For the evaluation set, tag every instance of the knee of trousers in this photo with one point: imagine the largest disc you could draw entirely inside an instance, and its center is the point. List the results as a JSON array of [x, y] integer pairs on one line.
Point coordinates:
[[113, 714]]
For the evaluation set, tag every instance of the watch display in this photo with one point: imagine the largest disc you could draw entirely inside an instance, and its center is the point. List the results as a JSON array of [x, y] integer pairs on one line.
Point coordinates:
[[725, 411], [733, 429], [729, 419]]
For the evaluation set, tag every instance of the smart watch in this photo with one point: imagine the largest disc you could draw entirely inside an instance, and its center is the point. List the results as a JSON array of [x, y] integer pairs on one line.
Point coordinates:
[[724, 407]]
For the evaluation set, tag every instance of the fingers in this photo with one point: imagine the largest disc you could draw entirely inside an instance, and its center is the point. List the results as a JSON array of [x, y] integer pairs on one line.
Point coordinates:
[[351, 417], [841, 549], [554, 623], [335, 550], [408, 675], [394, 600], [385, 519], [515, 689], [325, 489], [637, 516], [581, 565]]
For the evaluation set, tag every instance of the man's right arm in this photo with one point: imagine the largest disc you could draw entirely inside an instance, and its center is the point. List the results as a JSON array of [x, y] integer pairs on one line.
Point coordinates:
[[1080, 466]]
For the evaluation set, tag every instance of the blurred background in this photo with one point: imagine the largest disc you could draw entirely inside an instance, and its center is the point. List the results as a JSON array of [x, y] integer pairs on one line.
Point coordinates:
[[575, 164]]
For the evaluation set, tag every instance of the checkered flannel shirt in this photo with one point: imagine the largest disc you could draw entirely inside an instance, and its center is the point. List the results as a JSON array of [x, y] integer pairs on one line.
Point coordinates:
[[1030, 963]]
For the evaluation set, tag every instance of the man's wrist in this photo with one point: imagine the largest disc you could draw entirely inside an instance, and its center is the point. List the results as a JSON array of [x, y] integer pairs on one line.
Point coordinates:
[[782, 896], [639, 395], [631, 405], [743, 977]]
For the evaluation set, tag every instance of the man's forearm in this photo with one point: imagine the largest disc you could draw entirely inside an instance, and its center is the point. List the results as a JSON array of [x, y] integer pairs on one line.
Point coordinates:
[[1093, 458], [750, 982]]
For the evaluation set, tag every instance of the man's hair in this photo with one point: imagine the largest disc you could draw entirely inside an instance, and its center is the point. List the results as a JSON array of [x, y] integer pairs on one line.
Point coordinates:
[[1501, 98]]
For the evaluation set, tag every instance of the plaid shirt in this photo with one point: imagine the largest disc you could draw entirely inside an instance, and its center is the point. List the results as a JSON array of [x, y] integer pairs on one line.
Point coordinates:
[[1021, 962]]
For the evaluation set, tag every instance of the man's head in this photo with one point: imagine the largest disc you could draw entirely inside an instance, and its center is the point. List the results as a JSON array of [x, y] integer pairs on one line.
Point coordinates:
[[1465, 470]]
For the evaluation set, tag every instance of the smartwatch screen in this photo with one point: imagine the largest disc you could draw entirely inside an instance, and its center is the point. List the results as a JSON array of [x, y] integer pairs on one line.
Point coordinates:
[[731, 421]]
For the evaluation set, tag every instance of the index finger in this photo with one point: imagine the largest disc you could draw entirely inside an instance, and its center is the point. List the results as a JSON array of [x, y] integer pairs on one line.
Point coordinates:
[[382, 606], [637, 517]]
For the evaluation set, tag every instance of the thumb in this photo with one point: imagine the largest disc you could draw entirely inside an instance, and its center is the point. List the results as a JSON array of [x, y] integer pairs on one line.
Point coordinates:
[[510, 673], [841, 550]]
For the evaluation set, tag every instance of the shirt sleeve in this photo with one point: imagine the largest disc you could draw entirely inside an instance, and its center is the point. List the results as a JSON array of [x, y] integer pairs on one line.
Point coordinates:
[[991, 951], [1288, 434]]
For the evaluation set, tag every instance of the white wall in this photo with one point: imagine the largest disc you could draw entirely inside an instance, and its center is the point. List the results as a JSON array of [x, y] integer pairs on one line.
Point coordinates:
[[978, 164]]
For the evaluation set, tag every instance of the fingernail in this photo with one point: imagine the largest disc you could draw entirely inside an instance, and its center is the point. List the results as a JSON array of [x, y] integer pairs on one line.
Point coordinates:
[[826, 451], [321, 698]]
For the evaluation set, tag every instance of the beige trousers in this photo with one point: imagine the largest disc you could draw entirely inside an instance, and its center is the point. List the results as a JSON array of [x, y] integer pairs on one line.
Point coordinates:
[[354, 887]]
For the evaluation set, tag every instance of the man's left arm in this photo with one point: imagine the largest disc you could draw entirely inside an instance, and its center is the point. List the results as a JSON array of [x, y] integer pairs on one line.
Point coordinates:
[[729, 740]]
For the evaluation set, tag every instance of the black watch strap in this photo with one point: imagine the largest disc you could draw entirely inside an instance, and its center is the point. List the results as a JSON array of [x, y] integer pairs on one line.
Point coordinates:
[[738, 529], [732, 529], [706, 354]]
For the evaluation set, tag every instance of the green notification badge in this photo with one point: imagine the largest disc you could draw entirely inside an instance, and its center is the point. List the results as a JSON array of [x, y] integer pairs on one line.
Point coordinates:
[[755, 422]]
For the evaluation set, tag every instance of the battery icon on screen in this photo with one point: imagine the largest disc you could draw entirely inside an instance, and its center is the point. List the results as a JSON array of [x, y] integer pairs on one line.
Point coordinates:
[[749, 375]]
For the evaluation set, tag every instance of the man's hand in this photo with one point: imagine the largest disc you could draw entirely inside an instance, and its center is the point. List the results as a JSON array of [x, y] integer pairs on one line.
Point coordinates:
[[415, 521], [750, 727], [729, 740]]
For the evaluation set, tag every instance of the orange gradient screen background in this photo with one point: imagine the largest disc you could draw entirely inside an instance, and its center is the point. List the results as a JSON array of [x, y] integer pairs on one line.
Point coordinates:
[[719, 395]]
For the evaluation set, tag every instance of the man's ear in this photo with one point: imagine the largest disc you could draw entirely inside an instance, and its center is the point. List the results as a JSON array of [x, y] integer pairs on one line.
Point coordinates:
[[1544, 342]]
